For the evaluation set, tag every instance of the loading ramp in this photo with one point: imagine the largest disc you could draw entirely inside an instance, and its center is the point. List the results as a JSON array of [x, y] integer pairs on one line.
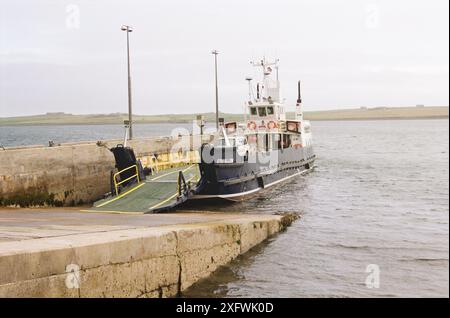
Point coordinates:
[[158, 192]]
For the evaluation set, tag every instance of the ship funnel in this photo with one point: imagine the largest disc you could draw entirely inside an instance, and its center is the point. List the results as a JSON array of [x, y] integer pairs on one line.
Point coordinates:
[[298, 107], [299, 96]]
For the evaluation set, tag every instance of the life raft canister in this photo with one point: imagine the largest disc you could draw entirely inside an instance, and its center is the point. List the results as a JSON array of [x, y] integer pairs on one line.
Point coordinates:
[[251, 125], [272, 125]]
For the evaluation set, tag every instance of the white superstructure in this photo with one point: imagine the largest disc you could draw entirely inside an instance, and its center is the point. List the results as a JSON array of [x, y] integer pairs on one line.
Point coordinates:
[[266, 114]]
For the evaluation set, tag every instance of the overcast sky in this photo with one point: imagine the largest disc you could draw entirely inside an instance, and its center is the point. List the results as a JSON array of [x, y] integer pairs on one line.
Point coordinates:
[[69, 56]]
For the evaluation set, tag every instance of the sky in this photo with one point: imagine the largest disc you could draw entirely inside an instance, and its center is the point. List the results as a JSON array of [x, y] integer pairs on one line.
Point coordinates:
[[70, 56]]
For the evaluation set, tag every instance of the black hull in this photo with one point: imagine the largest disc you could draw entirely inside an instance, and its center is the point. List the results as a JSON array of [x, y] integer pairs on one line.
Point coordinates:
[[239, 181]]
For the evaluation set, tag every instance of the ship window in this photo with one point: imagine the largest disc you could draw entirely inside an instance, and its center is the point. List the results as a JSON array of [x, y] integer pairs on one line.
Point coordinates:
[[262, 142], [262, 111], [286, 140], [253, 111], [276, 141], [280, 141], [270, 110]]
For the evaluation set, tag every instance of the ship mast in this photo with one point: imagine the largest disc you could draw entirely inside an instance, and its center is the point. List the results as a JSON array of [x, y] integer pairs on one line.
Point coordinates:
[[267, 88]]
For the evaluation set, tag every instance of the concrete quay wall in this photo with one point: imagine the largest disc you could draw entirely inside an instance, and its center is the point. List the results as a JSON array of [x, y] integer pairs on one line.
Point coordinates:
[[73, 173], [146, 262]]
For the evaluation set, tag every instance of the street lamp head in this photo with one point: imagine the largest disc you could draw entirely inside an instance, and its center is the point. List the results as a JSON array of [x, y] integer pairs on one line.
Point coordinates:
[[248, 79], [126, 28], [215, 52]]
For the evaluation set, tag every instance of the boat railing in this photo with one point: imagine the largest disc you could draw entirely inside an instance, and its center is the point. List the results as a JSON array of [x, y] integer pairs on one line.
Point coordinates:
[[118, 183]]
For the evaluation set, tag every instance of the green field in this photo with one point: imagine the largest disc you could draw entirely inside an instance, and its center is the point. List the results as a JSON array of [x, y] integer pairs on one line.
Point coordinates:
[[117, 118], [380, 113]]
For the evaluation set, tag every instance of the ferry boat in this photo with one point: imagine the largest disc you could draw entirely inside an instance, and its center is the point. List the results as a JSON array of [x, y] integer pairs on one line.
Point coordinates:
[[263, 151], [244, 158]]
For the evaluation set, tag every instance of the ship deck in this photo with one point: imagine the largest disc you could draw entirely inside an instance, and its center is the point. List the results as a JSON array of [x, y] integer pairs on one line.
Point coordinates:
[[156, 192]]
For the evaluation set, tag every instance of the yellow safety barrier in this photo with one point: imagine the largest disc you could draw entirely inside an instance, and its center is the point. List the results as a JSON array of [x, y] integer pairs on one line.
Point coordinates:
[[116, 184], [170, 160]]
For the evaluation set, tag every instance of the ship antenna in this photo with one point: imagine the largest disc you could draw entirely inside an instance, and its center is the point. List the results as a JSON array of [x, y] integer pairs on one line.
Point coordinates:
[[267, 70]]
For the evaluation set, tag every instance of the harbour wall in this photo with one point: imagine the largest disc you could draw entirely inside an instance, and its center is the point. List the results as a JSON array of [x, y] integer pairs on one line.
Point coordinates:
[[77, 173], [146, 262]]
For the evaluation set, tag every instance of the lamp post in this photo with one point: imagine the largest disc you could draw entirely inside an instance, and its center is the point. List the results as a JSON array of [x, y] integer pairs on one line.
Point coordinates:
[[215, 53], [128, 29]]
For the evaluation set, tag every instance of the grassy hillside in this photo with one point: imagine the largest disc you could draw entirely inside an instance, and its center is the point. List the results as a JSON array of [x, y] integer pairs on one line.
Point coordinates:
[[117, 118], [380, 113]]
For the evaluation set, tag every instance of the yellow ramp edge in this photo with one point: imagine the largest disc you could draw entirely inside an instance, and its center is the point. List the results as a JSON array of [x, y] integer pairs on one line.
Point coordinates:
[[156, 191]]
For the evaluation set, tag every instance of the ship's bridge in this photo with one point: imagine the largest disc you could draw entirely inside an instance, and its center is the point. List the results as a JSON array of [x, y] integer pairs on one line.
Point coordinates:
[[265, 114]]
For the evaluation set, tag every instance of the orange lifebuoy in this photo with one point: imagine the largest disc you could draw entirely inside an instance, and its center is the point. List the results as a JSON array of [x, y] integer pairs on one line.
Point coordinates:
[[272, 125], [251, 125]]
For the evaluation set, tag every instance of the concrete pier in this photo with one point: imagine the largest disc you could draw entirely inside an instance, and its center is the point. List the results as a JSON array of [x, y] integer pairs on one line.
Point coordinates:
[[68, 253], [78, 173]]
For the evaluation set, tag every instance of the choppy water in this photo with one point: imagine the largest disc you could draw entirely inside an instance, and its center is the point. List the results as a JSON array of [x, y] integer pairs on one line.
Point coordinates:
[[379, 195]]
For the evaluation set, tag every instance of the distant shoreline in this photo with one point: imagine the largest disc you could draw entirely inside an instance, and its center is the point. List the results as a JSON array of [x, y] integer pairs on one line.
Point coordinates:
[[185, 122], [377, 113], [382, 118]]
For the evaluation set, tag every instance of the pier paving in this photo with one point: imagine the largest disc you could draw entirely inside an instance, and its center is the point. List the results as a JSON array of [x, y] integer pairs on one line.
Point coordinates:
[[25, 224], [62, 252]]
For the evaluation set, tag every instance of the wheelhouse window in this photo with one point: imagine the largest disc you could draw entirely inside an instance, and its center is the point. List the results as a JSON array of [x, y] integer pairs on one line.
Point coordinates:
[[262, 111], [270, 110], [253, 111]]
